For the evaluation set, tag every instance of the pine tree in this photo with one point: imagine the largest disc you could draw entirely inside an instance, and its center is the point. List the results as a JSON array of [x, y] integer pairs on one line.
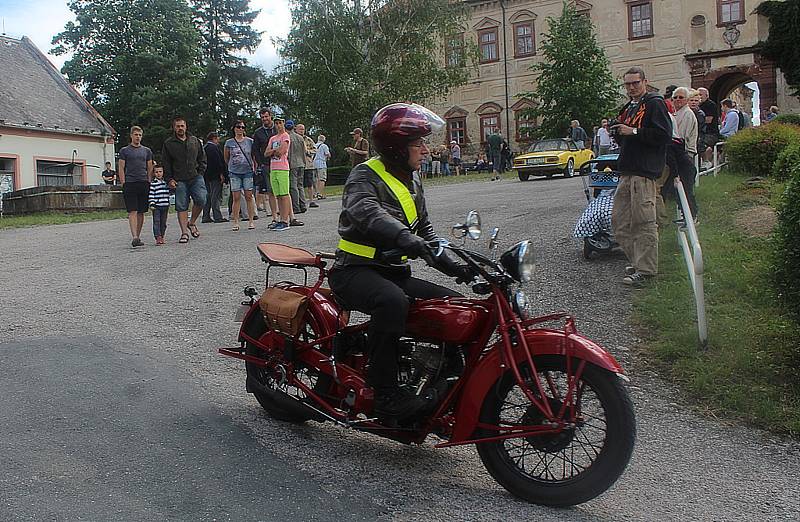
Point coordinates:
[[229, 85], [575, 82]]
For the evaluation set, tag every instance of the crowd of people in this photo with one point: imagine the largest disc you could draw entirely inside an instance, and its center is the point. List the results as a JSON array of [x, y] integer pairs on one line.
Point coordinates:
[[279, 170], [660, 138]]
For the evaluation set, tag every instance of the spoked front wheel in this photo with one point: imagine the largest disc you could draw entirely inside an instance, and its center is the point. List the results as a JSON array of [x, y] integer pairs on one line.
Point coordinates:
[[571, 466]]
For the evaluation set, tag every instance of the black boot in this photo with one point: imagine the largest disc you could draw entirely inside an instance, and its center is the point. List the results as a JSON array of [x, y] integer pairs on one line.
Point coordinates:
[[391, 402]]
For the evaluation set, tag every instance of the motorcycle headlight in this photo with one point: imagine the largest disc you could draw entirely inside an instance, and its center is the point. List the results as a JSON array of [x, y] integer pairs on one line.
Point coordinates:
[[518, 261], [521, 305]]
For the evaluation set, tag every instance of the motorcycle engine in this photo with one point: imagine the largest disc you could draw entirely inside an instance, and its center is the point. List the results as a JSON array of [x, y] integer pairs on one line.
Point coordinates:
[[427, 366]]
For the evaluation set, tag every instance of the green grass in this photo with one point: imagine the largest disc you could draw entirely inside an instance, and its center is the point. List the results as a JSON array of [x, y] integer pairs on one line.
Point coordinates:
[[750, 368], [58, 218]]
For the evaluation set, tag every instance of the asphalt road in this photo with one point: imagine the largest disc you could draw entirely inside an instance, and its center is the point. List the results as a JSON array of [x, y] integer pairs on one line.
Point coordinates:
[[116, 405]]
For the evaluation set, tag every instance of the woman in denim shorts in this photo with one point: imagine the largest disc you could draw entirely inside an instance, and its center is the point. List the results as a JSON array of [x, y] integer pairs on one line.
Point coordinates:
[[239, 158]]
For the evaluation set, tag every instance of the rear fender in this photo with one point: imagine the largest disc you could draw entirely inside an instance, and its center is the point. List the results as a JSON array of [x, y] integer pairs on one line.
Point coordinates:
[[321, 306], [541, 341]]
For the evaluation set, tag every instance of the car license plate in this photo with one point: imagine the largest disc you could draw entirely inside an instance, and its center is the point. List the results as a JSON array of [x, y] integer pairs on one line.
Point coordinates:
[[535, 161]]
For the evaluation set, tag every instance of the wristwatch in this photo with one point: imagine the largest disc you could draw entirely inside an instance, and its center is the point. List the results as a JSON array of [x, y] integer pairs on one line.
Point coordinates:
[[635, 131]]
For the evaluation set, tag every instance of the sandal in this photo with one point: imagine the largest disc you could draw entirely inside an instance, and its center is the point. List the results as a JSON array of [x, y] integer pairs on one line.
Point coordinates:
[[193, 230], [184, 238], [251, 226], [235, 227]]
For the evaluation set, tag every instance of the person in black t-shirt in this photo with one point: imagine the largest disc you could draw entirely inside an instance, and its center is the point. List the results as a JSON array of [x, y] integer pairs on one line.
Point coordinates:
[[109, 175], [711, 110], [261, 137]]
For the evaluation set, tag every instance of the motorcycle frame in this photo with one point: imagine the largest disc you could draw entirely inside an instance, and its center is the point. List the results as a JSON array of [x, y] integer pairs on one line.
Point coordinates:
[[520, 342]]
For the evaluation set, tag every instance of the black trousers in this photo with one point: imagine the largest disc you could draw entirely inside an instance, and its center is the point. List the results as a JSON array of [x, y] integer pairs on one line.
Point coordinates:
[[383, 294], [214, 188], [681, 165]]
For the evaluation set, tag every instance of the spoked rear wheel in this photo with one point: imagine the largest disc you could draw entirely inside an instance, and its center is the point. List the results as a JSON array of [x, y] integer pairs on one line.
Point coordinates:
[[574, 465], [274, 379]]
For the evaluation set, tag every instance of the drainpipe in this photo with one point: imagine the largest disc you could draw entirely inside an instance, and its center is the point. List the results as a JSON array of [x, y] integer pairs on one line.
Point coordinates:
[[505, 72]]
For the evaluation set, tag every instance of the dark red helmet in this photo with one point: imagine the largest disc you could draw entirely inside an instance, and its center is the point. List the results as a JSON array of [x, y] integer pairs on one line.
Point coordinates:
[[395, 126]]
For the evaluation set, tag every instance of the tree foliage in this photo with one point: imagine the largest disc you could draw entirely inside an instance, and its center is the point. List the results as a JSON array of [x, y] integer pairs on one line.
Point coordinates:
[[575, 81], [781, 44], [137, 62], [344, 59], [144, 62]]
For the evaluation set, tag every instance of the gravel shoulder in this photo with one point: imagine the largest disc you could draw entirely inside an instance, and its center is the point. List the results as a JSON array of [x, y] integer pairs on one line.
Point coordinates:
[[176, 302]]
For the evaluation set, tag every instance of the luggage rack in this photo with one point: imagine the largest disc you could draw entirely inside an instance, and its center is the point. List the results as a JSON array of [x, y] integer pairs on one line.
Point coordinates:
[[285, 256]]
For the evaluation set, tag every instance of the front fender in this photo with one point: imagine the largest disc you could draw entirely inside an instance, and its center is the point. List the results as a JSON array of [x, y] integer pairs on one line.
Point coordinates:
[[542, 341]]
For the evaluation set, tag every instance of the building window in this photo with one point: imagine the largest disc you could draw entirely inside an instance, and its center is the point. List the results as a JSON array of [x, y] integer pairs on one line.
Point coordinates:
[[487, 39], [730, 11], [455, 51], [490, 124], [640, 20], [57, 173], [7, 173], [523, 39], [524, 125], [457, 130]]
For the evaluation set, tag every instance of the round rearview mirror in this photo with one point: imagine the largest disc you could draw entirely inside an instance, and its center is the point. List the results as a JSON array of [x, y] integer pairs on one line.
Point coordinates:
[[473, 225]]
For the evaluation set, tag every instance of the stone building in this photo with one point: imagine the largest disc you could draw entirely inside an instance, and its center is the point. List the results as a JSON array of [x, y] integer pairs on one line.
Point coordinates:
[[697, 43], [49, 134]]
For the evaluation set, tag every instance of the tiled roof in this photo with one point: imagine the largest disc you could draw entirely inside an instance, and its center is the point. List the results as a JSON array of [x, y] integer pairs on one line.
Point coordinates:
[[34, 94]]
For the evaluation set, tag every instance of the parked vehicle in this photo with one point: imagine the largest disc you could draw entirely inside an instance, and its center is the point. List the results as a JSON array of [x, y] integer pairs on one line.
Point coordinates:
[[546, 407], [549, 157]]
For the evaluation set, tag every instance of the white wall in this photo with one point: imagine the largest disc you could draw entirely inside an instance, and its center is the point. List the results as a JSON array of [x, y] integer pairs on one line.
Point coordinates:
[[25, 148]]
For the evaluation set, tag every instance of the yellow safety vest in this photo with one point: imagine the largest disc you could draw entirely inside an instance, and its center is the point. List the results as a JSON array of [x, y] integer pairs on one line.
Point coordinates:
[[403, 195]]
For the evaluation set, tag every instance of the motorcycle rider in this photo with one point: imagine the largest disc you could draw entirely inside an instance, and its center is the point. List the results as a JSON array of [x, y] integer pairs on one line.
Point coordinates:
[[383, 221]]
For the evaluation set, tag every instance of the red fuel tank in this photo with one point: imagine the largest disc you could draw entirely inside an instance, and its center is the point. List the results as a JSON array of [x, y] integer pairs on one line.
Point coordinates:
[[453, 320]]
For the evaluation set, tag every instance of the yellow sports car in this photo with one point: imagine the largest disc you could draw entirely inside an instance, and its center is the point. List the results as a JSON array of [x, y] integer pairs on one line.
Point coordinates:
[[552, 156]]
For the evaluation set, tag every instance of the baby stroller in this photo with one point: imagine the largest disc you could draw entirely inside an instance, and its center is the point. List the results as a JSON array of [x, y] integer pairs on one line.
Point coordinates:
[[600, 181]]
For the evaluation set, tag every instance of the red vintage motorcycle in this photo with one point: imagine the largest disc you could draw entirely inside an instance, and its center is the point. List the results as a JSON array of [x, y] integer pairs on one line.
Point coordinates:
[[546, 407]]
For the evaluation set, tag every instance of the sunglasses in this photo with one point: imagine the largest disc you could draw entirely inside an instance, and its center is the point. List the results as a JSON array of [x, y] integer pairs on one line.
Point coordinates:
[[240, 127], [679, 97]]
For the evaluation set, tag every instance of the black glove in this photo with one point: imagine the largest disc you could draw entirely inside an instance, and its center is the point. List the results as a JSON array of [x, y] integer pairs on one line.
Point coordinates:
[[449, 265], [414, 246]]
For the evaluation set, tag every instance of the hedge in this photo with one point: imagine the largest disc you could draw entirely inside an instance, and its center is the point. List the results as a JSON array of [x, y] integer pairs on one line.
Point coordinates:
[[786, 255], [787, 163], [754, 150], [793, 119]]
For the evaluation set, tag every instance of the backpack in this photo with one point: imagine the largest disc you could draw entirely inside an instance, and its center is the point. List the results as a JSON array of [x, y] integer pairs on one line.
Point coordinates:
[[742, 123]]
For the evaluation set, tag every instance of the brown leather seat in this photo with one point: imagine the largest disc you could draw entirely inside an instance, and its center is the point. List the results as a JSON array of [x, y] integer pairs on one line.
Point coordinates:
[[275, 253]]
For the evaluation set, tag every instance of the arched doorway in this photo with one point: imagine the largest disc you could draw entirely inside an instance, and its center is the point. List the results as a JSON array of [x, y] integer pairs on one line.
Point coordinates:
[[721, 82]]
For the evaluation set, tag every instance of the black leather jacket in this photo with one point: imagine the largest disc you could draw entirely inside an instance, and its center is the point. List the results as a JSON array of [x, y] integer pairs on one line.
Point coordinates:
[[371, 215]]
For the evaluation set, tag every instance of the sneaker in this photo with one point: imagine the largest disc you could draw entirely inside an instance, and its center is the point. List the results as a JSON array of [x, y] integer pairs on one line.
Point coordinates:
[[629, 270], [220, 220], [136, 242], [636, 280], [280, 226], [313, 204], [255, 217], [296, 223], [272, 225], [399, 405], [204, 220]]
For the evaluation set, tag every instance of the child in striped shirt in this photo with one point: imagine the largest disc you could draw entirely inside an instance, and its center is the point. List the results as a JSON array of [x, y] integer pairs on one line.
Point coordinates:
[[159, 202]]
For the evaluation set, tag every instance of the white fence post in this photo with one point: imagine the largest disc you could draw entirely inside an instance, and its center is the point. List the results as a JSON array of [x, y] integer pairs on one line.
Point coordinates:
[[693, 255], [715, 165]]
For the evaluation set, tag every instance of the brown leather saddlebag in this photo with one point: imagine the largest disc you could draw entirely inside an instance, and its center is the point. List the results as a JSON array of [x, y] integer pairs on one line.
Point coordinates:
[[283, 309]]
